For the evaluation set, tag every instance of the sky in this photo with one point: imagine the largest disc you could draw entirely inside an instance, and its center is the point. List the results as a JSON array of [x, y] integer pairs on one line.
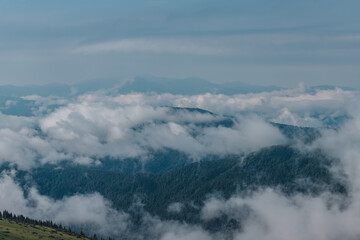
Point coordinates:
[[260, 42]]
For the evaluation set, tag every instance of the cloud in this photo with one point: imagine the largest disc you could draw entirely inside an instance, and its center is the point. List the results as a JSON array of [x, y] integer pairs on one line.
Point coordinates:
[[104, 124], [175, 207], [307, 109], [95, 126], [98, 129], [270, 214], [45, 104], [173, 230], [302, 106], [90, 211], [24, 148], [157, 45]]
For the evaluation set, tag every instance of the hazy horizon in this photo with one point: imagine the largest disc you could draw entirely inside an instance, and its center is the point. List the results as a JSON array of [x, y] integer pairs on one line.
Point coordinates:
[[121, 81]]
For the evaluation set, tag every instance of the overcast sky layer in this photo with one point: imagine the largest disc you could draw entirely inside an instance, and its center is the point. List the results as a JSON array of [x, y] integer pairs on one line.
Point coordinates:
[[261, 42]]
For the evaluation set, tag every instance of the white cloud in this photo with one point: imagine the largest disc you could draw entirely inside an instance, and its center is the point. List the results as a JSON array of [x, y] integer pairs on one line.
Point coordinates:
[[269, 214], [98, 124], [92, 213], [175, 207], [157, 45], [85, 211]]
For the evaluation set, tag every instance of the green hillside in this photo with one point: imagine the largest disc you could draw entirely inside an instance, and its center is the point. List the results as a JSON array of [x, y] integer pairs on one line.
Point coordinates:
[[11, 230]]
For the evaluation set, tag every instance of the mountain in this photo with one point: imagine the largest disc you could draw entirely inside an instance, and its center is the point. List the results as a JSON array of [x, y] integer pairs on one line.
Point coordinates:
[[306, 134], [41, 90], [169, 176], [147, 84], [282, 167], [190, 86]]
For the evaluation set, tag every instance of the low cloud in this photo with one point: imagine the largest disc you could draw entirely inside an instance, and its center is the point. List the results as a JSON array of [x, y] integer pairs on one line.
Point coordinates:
[[300, 106], [90, 211], [93, 214], [104, 124], [175, 207], [92, 127], [269, 214]]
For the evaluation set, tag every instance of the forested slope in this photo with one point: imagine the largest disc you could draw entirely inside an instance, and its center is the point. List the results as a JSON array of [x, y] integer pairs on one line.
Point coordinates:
[[281, 167]]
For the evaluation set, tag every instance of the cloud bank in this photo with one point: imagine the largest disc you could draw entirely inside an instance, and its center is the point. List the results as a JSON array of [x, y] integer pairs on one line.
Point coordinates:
[[95, 126], [107, 124], [158, 45]]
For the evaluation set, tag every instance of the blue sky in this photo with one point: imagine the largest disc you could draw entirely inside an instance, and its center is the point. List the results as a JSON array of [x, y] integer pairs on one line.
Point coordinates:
[[262, 42]]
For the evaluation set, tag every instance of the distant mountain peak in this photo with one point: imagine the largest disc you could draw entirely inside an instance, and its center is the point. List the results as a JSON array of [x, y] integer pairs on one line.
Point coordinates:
[[190, 86]]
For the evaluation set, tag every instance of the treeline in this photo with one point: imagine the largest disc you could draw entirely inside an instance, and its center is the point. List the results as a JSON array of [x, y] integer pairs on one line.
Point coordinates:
[[59, 227]]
